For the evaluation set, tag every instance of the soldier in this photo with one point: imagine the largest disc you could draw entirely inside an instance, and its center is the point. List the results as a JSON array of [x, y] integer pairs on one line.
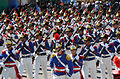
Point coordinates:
[[55, 40], [1, 43], [89, 51], [77, 63], [80, 37], [106, 50], [40, 54], [68, 39], [10, 69], [58, 63], [117, 44], [26, 47]]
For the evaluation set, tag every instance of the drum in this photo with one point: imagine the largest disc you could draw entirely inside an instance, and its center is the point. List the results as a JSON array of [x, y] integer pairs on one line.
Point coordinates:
[[116, 74]]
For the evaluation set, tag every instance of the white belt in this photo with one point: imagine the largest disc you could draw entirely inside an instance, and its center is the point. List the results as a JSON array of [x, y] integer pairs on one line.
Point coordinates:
[[26, 54], [106, 55], [76, 68], [90, 57], [59, 69], [10, 63]]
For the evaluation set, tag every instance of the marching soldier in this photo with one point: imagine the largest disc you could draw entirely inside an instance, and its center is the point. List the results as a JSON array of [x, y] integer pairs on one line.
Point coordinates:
[[55, 40], [1, 43], [80, 37], [58, 63], [77, 63], [106, 50], [68, 38], [117, 44], [40, 54], [89, 51], [26, 47], [10, 69]]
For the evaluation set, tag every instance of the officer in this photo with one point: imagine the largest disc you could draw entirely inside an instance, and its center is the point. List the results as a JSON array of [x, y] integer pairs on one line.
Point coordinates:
[[26, 47], [106, 50], [40, 54], [58, 63], [77, 63], [10, 69]]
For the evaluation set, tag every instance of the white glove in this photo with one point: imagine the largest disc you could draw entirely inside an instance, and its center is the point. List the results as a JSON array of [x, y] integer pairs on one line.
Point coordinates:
[[98, 58], [42, 43], [2, 64], [27, 43], [52, 71], [14, 51], [106, 45], [91, 48], [77, 57]]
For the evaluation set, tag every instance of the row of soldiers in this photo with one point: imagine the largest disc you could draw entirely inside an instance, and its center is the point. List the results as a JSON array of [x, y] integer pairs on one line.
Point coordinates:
[[74, 36]]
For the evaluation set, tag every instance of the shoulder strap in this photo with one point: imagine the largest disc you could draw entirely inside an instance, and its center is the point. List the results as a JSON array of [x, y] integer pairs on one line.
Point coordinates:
[[60, 61]]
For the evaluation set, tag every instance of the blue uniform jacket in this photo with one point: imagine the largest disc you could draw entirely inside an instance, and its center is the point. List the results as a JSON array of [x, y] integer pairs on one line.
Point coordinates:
[[5, 55], [92, 54], [107, 51], [27, 49], [57, 66]]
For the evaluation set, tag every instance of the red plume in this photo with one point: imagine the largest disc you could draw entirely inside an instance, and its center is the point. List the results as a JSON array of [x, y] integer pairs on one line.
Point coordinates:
[[72, 40], [116, 61], [47, 11], [7, 16], [79, 22], [57, 36], [89, 12]]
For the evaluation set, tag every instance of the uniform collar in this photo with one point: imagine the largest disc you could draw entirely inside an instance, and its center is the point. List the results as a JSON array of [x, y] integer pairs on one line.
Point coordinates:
[[60, 54]]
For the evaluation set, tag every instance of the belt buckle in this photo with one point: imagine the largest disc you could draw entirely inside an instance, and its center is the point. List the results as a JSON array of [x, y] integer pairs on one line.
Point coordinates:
[[58, 69], [25, 55]]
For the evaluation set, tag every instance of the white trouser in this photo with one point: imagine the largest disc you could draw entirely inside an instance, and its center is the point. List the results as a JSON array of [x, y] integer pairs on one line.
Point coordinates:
[[89, 66], [76, 76], [41, 60], [23, 2], [26, 63], [106, 65], [59, 77], [9, 73]]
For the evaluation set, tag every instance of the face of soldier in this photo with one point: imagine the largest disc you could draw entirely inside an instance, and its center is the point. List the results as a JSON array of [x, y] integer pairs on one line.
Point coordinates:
[[10, 31], [115, 26], [104, 39], [32, 28], [73, 52], [59, 50], [80, 32], [39, 37], [118, 36], [9, 46], [68, 34], [87, 42]]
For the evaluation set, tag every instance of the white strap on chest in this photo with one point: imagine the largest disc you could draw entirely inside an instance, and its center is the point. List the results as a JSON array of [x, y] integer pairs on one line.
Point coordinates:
[[10, 57], [60, 61]]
